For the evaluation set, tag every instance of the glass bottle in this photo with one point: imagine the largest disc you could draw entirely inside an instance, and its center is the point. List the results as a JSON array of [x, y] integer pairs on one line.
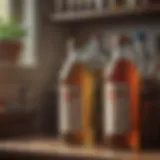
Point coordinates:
[[70, 98], [142, 58], [94, 60], [121, 98], [76, 93], [145, 58], [149, 97]]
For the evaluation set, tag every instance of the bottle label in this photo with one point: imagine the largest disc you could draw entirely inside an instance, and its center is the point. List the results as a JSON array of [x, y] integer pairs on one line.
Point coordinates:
[[116, 109], [70, 109], [64, 103]]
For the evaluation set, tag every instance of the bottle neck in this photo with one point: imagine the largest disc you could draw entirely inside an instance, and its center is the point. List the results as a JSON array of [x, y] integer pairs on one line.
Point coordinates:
[[92, 55], [142, 58], [71, 48], [139, 46], [115, 52], [119, 52], [127, 52]]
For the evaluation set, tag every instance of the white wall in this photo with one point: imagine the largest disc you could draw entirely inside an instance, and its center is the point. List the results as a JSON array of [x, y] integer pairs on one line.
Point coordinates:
[[29, 20], [5, 10]]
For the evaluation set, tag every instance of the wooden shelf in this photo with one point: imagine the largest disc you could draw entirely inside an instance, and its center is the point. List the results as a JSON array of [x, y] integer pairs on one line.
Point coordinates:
[[72, 17], [55, 148]]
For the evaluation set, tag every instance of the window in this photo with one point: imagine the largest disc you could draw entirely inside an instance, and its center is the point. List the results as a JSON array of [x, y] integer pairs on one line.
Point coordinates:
[[25, 11]]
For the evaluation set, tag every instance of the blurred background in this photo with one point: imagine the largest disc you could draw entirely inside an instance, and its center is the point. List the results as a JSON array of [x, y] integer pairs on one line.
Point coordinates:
[[45, 45], [26, 48]]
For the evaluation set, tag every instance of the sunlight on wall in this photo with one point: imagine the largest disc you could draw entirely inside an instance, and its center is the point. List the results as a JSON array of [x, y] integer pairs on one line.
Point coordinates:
[[28, 57]]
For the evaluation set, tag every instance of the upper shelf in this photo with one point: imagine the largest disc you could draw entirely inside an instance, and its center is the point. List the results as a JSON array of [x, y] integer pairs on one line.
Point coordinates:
[[87, 16]]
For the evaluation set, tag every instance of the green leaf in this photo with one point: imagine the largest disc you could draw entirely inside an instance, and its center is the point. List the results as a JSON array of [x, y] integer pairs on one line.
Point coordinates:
[[11, 30]]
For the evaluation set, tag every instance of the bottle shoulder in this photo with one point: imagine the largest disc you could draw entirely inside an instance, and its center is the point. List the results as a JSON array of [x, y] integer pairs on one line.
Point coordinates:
[[119, 69], [67, 66]]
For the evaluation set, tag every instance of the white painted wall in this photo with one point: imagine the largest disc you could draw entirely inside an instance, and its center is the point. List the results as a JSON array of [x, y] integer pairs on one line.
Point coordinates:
[[5, 10], [29, 21]]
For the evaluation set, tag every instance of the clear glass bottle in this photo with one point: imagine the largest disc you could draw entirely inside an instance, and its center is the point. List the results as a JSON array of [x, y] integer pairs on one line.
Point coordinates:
[[144, 57]]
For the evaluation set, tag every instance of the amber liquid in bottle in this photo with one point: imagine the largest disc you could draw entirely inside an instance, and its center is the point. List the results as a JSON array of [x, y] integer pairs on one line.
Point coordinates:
[[73, 136], [122, 115], [79, 83], [97, 115]]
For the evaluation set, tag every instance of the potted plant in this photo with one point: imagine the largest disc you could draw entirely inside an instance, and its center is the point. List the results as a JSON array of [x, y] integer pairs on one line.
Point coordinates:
[[10, 41]]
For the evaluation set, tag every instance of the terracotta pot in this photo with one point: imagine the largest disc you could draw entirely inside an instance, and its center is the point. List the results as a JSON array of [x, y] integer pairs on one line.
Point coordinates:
[[10, 50]]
